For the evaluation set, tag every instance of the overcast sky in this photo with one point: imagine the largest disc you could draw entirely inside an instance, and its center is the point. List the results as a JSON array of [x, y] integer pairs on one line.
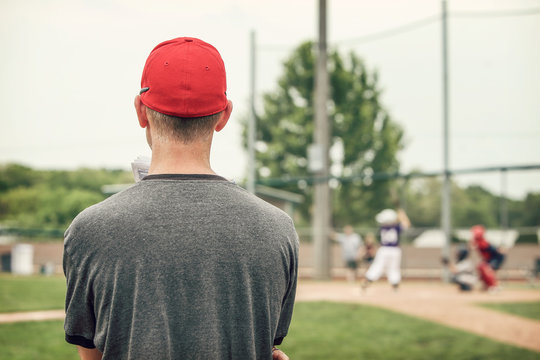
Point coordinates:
[[70, 70]]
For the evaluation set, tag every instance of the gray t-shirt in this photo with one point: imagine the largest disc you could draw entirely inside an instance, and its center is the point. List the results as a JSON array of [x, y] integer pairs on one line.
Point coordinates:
[[180, 267]]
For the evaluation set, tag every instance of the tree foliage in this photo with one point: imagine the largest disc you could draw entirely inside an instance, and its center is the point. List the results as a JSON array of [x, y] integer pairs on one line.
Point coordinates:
[[531, 210], [50, 199], [471, 205], [363, 135]]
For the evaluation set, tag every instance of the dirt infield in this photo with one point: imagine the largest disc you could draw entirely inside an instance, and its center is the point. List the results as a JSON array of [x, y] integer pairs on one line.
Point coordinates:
[[440, 303], [32, 316]]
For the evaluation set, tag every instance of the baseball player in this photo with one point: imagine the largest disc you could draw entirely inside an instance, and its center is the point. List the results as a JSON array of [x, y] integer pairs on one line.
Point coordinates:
[[492, 258], [463, 270], [388, 256]]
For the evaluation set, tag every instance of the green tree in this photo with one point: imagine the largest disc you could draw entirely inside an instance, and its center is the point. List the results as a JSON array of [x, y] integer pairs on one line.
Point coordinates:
[[362, 133], [531, 210], [471, 205], [42, 207], [16, 175], [474, 205], [423, 201], [50, 199]]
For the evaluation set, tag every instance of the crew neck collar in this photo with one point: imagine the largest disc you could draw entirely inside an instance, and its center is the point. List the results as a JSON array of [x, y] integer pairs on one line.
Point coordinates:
[[184, 177]]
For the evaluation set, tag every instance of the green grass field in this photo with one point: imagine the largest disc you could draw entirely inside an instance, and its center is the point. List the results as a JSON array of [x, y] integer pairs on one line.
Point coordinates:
[[324, 330], [26, 293], [42, 340], [320, 330], [529, 310]]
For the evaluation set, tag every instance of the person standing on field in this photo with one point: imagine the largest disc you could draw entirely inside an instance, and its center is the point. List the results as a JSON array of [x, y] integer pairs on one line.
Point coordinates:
[[388, 256], [184, 264], [351, 247]]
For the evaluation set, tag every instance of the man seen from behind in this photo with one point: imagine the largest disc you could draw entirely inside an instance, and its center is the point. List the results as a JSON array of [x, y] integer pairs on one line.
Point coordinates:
[[184, 264]]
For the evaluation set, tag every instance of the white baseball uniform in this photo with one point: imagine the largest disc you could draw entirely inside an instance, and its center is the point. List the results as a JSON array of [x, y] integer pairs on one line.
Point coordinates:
[[388, 256]]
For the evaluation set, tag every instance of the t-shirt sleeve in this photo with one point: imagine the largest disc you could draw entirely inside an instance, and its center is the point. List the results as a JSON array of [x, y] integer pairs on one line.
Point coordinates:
[[80, 321], [288, 300]]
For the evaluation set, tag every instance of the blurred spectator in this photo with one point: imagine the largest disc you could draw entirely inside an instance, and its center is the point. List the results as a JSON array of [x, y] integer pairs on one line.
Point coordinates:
[[351, 246]]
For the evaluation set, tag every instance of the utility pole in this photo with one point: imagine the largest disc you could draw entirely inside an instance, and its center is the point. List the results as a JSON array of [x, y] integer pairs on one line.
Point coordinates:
[[321, 215], [503, 206], [252, 124], [504, 201], [445, 204]]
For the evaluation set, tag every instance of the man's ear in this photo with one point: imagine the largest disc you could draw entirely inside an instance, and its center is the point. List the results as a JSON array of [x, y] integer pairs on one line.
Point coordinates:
[[224, 116], [140, 108]]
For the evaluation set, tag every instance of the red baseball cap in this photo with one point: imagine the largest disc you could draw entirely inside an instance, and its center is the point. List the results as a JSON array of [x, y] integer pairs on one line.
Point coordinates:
[[184, 77]]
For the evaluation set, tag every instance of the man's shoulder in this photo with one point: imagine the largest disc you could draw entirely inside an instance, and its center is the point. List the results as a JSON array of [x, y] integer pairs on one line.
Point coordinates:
[[99, 211], [254, 204], [109, 202]]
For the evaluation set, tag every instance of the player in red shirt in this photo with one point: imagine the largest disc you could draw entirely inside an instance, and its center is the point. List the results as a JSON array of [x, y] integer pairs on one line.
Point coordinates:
[[492, 258]]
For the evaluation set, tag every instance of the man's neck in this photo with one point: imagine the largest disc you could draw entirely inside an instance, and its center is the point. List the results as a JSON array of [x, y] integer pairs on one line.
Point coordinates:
[[174, 158]]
